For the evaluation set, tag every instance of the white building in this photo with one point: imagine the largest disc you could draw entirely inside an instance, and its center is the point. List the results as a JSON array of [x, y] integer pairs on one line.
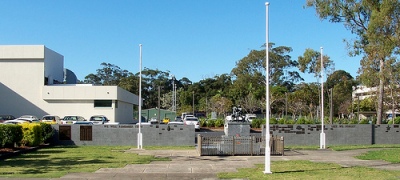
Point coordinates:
[[31, 78]]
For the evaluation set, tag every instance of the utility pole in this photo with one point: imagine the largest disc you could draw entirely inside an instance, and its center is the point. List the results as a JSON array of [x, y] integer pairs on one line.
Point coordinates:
[[193, 102], [331, 106], [159, 91]]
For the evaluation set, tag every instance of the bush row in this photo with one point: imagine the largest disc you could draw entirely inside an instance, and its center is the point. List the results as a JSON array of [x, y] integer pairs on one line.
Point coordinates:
[[257, 123], [27, 134]]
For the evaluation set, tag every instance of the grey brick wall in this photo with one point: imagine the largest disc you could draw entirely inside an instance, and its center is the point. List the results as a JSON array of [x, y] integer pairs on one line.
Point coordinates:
[[337, 134], [153, 135]]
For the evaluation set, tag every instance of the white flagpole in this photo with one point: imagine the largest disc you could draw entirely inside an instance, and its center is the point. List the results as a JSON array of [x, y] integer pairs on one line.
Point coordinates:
[[322, 136], [267, 131], [140, 139]]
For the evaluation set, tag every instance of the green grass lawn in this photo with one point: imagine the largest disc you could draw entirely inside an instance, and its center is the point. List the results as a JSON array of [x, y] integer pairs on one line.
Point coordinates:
[[310, 170], [58, 161]]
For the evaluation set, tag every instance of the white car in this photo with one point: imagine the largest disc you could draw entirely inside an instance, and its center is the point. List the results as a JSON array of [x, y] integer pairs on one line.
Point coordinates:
[[175, 123], [72, 119], [16, 121], [99, 119], [50, 119], [28, 118], [192, 121]]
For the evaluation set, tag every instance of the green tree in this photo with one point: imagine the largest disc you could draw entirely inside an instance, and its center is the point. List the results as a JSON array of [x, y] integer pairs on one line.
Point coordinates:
[[376, 24], [341, 82], [310, 62]]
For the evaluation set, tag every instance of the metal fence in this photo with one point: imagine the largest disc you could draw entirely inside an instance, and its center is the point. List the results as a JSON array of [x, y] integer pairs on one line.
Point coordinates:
[[233, 145]]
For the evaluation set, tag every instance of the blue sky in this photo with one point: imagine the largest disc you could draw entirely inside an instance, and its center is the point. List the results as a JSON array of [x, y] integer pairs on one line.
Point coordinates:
[[193, 39]]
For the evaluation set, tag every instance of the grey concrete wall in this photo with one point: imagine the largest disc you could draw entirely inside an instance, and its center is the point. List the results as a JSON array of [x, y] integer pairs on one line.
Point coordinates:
[[153, 135], [387, 134], [337, 134]]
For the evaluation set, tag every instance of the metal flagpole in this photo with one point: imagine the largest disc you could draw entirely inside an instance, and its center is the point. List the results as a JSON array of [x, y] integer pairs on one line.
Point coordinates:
[[139, 140], [267, 135], [322, 136]]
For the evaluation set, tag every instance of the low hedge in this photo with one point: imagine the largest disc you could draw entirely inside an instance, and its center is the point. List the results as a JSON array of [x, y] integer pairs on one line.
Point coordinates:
[[10, 135], [27, 134]]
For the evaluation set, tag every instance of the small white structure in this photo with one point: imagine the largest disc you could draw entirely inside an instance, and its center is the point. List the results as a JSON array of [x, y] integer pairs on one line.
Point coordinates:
[[31, 78]]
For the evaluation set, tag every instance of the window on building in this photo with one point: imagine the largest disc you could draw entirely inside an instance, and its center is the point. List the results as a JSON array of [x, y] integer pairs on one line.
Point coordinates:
[[102, 103]]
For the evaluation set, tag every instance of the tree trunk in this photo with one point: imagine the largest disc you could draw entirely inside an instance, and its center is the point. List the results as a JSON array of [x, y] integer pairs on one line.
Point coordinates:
[[379, 110]]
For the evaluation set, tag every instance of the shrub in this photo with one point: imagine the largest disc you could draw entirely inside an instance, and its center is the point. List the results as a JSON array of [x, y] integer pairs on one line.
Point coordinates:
[[203, 122], [210, 123], [353, 121], [364, 121], [257, 123], [290, 121], [219, 123], [273, 121], [47, 132], [397, 120], [32, 134], [10, 135], [301, 120]]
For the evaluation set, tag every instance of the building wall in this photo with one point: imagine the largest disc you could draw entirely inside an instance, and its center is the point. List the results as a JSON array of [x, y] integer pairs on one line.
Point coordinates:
[[79, 100], [23, 90], [124, 113], [53, 66]]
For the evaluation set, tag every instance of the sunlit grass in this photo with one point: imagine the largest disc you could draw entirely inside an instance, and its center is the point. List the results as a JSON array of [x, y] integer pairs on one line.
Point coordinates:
[[310, 170], [389, 155], [58, 161]]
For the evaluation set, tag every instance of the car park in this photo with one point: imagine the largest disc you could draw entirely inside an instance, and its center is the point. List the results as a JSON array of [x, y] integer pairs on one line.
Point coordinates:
[[6, 117], [72, 119], [99, 119], [50, 119], [192, 121]]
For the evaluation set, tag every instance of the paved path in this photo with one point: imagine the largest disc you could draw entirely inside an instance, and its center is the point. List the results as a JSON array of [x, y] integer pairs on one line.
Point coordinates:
[[186, 164]]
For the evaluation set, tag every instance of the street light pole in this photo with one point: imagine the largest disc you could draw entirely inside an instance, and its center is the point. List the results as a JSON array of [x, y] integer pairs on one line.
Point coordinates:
[[159, 91], [193, 102], [139, 136], [267, 169], [322, 135]]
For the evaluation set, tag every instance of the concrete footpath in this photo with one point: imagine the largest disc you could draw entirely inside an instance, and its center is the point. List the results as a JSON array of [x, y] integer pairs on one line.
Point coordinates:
[[187, 164]]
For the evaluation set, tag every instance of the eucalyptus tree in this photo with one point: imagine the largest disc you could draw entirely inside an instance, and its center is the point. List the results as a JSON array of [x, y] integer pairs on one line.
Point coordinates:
[[341, 84], [376, 25], [310, 62], [306, 95], [109, 74], [249, 73]]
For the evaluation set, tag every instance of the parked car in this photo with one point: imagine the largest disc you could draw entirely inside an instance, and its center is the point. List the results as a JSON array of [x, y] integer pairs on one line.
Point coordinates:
[[50, 119], [16, 121], [72, 119], [30, 118], [166, 120], [178, 118], [99, 119], [175, 123], [192, 121], [6, 117]]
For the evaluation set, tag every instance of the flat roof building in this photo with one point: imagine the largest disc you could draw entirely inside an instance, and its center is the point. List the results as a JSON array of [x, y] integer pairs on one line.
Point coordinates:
[[32, 81]]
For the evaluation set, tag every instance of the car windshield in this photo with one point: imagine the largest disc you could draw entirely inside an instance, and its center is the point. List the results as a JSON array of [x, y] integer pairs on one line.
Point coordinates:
[[191, 119], [70, 118], [25, 116], [97, 118], [48, 117]]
